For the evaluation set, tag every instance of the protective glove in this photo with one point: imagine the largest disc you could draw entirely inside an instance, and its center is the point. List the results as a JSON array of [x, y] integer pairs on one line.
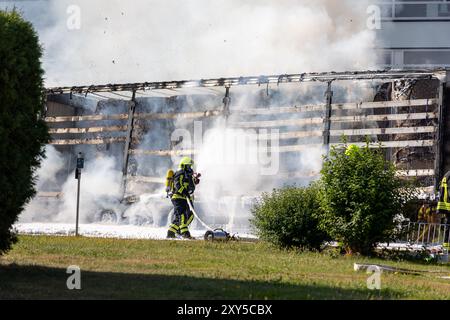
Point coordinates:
[[196, 177]]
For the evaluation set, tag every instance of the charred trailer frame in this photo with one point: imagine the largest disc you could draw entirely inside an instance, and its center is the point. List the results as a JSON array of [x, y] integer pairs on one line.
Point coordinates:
[[408, 116]]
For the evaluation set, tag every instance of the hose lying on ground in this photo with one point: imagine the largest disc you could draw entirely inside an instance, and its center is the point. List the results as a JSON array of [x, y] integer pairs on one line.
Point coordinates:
[[384, 268]]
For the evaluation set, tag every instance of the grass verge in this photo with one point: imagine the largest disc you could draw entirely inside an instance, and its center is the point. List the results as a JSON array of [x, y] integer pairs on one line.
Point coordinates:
[[151, 269]]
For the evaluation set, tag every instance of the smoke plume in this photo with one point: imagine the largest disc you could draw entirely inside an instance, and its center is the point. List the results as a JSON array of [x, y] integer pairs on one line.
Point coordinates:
[[113, 41]]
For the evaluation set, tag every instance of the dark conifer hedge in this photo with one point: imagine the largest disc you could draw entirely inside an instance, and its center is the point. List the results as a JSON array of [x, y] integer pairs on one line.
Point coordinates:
[[23, 132]]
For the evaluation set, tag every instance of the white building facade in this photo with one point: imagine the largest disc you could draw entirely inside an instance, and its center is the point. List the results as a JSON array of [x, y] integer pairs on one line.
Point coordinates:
[[415, 33]]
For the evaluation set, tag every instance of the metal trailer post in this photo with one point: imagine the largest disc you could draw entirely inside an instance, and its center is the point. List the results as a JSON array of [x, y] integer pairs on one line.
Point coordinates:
[[439, 160], [129, 134], [327, 118], [226, 102]]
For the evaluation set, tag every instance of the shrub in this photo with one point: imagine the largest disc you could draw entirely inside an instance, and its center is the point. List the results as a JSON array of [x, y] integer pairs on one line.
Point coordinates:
[[22, 130], [288, 218], [360, 197]]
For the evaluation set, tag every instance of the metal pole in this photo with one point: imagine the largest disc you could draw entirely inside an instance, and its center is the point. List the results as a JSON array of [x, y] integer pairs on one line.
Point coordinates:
[[434, 232], [440, 135], [78, 202], [129, 137], [226, 104], [439, 234], [327, 119]]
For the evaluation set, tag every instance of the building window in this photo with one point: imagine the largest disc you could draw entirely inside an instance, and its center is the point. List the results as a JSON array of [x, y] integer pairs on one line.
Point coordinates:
[[410, 10], [444, 10], [415, 9], [426, 57]]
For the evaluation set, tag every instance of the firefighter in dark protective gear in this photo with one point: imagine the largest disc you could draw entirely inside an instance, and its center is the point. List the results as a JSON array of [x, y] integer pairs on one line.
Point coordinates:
[[182, 188], [443, 206]]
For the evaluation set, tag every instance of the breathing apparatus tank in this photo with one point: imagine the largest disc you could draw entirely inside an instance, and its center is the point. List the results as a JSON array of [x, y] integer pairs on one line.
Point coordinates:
[[169, 183]]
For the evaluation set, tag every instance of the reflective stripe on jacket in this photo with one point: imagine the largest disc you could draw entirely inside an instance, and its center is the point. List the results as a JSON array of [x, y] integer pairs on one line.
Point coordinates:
[[183, 184]]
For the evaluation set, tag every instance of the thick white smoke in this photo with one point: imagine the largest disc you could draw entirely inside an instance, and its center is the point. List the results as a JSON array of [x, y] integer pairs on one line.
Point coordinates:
[[101, 183], [131, 41], [46, 174], [100, 190], [151, 40]]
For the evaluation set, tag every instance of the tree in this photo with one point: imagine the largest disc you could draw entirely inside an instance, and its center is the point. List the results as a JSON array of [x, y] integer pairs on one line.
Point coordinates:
[[360, 198], [288, 218], [22, 130]]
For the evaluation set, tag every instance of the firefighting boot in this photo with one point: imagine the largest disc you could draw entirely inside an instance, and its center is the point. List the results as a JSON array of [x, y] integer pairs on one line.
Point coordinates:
[[186, 235], [170, 235]]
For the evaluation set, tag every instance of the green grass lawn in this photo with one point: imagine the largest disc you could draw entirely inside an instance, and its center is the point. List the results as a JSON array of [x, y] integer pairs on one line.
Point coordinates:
[[150, 269]]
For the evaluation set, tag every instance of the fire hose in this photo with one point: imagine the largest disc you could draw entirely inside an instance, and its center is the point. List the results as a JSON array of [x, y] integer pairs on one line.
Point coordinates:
[[191, 207], [211, 234]]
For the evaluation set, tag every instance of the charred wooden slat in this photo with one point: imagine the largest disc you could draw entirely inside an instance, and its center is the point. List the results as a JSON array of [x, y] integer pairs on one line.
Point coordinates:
[[395, 144], [93, 117], [146, 179], [292, 135], [385, 117], [383, 131], [184, 115], [277, 123], [250, 111], [384, 104], [348, 132], [48, 194], [287, 175], [162, 152], [416, 173], [87, 141], [279, 110], [296, 148], [87, 130]]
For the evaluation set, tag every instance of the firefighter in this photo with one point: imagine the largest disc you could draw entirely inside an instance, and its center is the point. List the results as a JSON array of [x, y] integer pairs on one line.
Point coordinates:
[[424, 213], [183, 187], [443, 206]]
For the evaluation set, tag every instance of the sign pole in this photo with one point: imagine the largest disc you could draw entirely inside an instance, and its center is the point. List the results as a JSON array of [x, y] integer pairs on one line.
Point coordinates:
[[78, 202], [80, 165]]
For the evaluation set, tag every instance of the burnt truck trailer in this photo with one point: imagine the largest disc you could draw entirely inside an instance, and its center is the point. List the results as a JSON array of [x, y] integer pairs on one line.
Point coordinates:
[[403, 110]]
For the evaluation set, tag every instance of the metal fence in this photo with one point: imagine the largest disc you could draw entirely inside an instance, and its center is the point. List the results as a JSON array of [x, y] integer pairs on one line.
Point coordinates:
[[425, 233]]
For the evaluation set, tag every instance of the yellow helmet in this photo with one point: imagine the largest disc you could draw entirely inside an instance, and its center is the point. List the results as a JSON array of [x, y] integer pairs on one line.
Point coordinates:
[[351, 149], [186, 162]]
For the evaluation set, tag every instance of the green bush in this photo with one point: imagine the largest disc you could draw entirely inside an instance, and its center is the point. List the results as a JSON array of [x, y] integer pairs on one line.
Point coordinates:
[[288, 218], [360, 197], [23, 132]]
